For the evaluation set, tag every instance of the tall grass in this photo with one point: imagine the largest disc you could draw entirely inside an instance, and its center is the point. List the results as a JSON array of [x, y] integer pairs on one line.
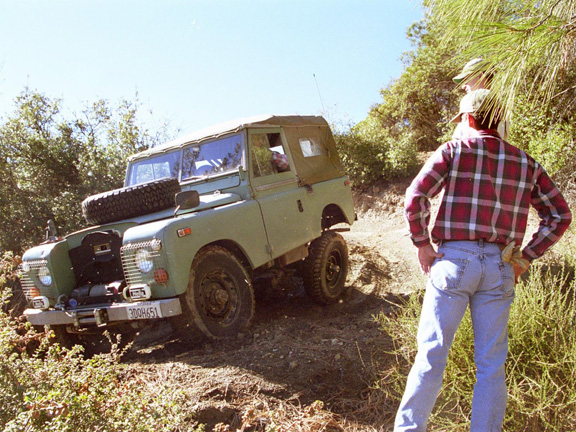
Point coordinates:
[[541, 365]]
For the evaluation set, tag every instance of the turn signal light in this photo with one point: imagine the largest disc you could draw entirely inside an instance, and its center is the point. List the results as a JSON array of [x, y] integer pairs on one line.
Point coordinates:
[[161, 276], [184, 232], [33, 292]]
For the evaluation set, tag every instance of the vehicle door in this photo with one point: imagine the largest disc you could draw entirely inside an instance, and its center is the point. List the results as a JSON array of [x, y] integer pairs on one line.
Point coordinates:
[[275, 188]]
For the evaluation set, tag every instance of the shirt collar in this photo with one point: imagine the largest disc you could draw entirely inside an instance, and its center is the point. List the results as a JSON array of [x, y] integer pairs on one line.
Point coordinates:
[[488, 132]]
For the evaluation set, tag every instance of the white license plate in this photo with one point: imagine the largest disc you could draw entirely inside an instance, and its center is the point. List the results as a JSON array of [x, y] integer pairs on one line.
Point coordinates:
[[144, 311]]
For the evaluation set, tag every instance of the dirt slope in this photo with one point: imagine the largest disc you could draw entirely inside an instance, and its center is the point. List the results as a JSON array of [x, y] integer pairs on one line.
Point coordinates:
[[300, 366]]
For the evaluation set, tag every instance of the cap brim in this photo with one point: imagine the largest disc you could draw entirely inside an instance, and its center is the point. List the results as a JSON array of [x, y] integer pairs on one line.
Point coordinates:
[[459, 78], [457, 119]]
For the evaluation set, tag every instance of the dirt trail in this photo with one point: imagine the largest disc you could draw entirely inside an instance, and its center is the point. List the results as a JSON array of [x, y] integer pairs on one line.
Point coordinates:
[[299, 362]]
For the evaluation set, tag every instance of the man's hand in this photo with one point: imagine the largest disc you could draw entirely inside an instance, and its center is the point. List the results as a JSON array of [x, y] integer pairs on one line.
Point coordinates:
[[426, 256], [513, 255], [519, 270]]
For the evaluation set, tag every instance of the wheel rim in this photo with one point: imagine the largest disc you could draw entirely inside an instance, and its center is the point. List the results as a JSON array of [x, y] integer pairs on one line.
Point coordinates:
[[333, 272], [218, 297]]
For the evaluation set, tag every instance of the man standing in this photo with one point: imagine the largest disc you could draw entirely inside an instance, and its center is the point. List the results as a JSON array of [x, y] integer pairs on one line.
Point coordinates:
[[489, 186]]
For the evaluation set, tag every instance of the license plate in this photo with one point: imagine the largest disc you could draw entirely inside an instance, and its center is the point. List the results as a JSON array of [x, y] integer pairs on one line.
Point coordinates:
[[144, 311]]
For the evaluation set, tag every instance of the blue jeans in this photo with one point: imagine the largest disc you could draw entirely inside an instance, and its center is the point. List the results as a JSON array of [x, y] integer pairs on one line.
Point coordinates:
[[470, 273]]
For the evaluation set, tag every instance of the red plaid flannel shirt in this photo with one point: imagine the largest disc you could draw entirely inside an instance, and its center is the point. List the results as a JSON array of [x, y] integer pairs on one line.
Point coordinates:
[[489, 186]]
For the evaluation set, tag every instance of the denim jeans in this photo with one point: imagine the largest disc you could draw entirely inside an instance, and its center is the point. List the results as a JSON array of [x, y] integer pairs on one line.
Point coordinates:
[[470, 273]]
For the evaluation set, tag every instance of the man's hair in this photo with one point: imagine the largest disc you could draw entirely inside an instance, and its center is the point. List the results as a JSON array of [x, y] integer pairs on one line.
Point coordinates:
[[487, 119]]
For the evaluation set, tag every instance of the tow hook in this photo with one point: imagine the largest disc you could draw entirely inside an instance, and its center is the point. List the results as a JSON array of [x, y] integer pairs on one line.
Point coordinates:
[[101, 317], [76, 319]]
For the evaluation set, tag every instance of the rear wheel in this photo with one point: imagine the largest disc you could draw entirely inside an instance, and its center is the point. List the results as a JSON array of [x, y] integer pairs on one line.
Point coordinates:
[[219, 300], [324, 270]]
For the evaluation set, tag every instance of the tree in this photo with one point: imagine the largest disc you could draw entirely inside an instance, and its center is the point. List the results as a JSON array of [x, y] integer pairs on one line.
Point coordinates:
[[528, 44], [51, 163], [529, 47]]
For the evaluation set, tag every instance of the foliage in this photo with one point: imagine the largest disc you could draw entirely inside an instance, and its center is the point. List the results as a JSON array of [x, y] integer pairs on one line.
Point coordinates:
[[54, 389], [368, 154], [9, 279], [540, 365], [418, 105], [550, 140], [51, 163], [529, 45], [412, 116]]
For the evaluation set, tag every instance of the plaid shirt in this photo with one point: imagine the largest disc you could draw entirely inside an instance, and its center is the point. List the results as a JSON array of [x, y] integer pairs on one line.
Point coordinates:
[[488, 187]]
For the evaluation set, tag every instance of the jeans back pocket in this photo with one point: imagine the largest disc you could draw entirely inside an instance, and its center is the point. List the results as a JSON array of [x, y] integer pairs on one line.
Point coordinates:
[[447, 273]]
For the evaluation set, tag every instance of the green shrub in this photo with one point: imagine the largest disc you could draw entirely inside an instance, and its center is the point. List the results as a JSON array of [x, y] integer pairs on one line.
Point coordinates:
[[540, 365], [54, 389], [369, 154], [548, 138]]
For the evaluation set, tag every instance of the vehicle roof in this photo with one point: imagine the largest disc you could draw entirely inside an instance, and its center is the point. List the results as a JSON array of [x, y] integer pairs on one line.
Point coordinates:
[[267, 120]]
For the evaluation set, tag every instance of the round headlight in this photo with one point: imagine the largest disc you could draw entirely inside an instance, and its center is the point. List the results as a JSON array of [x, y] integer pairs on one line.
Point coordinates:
[[45, 276], [143, 260]]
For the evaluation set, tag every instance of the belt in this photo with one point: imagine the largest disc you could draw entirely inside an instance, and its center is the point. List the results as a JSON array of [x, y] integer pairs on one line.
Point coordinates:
[[481, 242]]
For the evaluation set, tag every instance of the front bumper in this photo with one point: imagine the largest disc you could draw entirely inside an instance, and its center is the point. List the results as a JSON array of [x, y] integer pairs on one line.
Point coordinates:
[[102, 315]]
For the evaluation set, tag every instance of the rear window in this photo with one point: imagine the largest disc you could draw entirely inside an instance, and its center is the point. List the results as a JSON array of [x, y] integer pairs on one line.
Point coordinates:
[[311, 147]]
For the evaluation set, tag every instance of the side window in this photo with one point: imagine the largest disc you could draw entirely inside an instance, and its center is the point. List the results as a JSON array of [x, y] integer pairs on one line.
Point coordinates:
[[311, 148], [268, 155]]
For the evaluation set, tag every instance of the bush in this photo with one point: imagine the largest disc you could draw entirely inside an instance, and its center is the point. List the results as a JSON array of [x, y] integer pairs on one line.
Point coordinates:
[[540, 365], [369, 154], [549, 139], [9, 279], [54, 389]]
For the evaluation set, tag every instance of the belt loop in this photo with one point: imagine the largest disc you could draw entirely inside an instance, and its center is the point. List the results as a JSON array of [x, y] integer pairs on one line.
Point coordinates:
[[481, 243]]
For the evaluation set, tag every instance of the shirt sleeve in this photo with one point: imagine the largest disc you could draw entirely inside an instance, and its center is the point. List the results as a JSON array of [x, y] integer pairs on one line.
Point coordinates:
[[554, 213], [426, 185]]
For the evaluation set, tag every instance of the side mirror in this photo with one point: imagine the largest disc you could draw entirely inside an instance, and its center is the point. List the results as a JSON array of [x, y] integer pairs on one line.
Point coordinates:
[[186, 200]]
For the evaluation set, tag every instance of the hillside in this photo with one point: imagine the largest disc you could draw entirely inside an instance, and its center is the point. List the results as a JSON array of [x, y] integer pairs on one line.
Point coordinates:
[[300, 366]]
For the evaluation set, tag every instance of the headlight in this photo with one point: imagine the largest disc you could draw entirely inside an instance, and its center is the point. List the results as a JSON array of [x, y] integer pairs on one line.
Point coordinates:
[[143, 260], [45, 276]]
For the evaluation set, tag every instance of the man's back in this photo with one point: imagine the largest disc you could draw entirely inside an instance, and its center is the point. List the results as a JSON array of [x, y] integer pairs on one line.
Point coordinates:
[[489, 186]]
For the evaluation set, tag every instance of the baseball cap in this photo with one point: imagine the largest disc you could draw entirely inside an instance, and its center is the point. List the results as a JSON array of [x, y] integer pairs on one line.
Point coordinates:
[[473, 102], [469, 69]]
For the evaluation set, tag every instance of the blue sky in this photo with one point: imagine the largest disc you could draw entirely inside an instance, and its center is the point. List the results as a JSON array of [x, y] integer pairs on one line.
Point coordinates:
[[196, 63]]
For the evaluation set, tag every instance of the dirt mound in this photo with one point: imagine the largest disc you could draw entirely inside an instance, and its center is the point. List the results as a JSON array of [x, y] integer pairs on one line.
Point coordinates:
[[300, 366]]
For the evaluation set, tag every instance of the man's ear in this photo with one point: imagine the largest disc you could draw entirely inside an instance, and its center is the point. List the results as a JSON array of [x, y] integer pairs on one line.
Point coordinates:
[[471, 121]]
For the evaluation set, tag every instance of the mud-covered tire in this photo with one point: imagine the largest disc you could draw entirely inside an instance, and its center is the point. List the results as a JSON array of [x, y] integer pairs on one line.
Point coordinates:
[[324, 270], [219, 301], [131, 201]]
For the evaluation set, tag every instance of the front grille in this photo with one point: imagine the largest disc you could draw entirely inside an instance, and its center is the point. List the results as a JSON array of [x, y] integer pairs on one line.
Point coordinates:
[[97, 260], [132, 273], [29, 285]]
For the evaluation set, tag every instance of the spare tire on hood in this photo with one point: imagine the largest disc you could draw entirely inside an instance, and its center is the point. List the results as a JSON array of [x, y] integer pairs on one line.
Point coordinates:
[[131, 201]]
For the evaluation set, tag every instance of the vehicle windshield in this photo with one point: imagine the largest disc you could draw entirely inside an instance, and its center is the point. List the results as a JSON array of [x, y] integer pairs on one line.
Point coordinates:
[[154, 168], [214, 157], [196, 161]]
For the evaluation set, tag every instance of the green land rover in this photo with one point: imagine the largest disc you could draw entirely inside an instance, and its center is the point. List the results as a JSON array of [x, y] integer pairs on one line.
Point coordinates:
[[198, 221]]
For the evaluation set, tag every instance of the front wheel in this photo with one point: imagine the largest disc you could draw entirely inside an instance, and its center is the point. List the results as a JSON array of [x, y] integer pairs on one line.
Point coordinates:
[[219, 300], [324, 270]]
